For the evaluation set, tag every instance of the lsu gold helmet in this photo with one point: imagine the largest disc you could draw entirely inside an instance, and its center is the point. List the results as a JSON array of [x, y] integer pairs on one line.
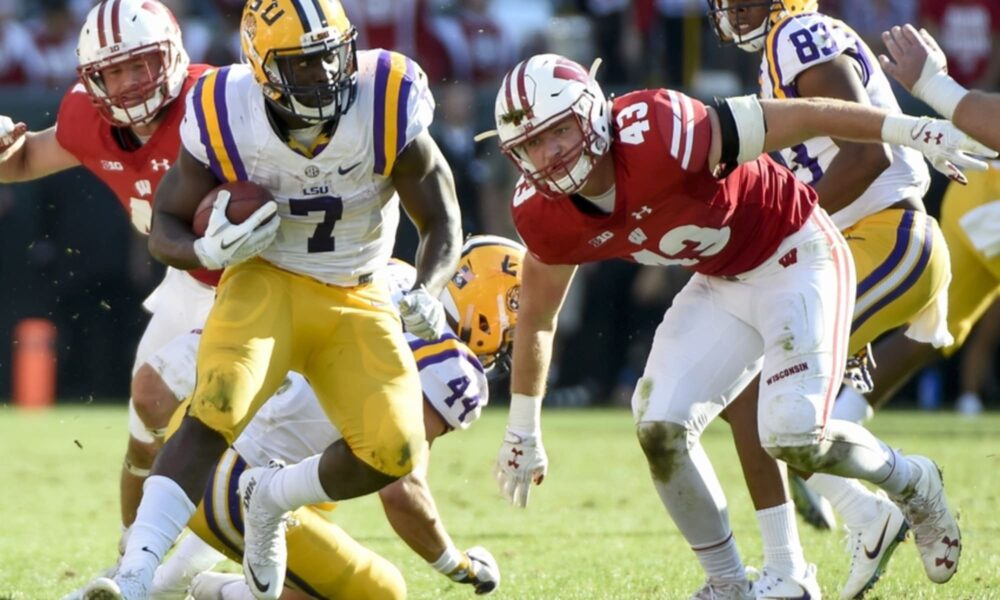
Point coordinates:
[[482, 298], [303, 54], [747, 23]]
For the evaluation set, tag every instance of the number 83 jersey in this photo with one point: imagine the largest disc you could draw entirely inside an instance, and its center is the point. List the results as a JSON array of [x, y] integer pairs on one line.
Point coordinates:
[[338, 207], [800, 42]]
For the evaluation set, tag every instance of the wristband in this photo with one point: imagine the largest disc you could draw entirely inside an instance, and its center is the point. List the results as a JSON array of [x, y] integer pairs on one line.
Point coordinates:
[[525, 413], [941, 92]]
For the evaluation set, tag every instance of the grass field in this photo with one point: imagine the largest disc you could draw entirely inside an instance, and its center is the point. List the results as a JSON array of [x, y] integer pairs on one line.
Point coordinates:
[[594, 530]]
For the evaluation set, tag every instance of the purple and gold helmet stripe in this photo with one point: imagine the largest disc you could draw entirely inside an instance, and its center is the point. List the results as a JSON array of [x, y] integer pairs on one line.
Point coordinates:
[[212, 115], [394, 75]]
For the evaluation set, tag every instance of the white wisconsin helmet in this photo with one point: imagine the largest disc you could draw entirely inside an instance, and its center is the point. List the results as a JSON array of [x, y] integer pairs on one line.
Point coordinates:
[[119, 30], [540, 92]]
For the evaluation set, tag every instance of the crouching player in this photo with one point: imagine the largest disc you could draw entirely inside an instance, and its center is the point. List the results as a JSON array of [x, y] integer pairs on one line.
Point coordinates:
[[323, 560]]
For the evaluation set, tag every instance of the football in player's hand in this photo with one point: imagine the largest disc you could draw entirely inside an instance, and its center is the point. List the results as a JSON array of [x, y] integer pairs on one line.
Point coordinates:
[[245, 198]]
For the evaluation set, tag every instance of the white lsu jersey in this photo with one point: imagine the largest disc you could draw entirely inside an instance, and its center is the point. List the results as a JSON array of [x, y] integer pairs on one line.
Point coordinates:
[[803, 41], [292, 426], [338, 209]]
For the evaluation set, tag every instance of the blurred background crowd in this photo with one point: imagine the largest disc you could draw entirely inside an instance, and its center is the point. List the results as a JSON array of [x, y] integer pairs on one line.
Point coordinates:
[[68, 254]]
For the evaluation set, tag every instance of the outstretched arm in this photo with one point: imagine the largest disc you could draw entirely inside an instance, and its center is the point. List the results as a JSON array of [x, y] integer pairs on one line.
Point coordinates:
[[411, 510], [919, 64], [744, 127], [26, 155]]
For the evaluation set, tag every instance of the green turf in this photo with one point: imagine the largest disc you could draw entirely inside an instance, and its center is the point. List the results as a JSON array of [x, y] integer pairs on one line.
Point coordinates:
[[595, 529]]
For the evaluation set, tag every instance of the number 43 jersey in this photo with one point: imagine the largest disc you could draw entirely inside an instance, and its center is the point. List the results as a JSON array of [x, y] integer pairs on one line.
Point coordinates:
[[801, 42], [338, 207], [669, 208]]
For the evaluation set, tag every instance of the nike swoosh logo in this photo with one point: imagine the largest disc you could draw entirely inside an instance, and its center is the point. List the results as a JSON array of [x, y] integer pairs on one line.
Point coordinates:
[[145, 549], [873, 554], [260, 586], [343, 171], [226, 244]]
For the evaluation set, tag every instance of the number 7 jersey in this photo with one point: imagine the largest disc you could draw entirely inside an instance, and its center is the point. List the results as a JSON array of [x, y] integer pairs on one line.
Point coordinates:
[[339, 209]]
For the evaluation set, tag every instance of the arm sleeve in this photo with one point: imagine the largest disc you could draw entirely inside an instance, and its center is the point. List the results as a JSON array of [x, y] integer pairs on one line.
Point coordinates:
[[191, 127], [452, 379], [684, 131], [404, 107]]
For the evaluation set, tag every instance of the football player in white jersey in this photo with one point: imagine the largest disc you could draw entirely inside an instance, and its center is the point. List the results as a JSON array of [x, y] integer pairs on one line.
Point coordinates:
[[874, 194], [481, 301], [339, 137]]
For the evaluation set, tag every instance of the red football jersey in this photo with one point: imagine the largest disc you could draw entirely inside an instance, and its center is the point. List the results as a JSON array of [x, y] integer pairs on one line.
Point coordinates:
[[131, 174], [669, 208]]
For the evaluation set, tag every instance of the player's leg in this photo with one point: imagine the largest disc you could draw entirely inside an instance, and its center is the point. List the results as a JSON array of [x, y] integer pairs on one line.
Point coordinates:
[[243, 357], [323, 560], [178, 305], [805, 338], [365, 378], [765, 479], [700, 359]]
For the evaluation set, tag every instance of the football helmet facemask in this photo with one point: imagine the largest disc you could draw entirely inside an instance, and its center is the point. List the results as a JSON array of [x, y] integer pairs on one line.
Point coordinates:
[[734, 23], [535, 95], [303, 54], [483, 297], [119, 31]]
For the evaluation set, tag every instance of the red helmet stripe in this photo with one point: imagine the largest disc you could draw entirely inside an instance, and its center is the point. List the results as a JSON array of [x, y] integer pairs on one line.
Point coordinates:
[[101, 38], [522, 90], [508, 86], [116, 31]]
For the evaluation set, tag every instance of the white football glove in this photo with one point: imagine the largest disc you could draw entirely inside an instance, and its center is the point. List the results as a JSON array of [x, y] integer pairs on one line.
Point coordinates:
[[521, 462], [11, 136], [226, 243], [423, 314], [947, 148], [483, 572]]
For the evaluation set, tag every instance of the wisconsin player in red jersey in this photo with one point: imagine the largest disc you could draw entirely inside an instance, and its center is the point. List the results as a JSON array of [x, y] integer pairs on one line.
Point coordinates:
[[121, 122], [659, 178]]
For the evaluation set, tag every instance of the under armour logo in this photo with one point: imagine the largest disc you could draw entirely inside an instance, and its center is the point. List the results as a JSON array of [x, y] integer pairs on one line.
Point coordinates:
[[642, 212], [790, 258], [517, 452], [159, 165], [513, 462], [937, 138], [949, 544]]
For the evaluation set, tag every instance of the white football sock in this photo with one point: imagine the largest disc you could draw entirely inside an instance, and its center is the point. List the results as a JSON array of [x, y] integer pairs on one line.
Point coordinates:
[[191, 556], [855, 503], [721, 560], [695, 501], [163, 513], [778, 531], [851, 406], [899, 477], [236, 590], [298, 485]]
